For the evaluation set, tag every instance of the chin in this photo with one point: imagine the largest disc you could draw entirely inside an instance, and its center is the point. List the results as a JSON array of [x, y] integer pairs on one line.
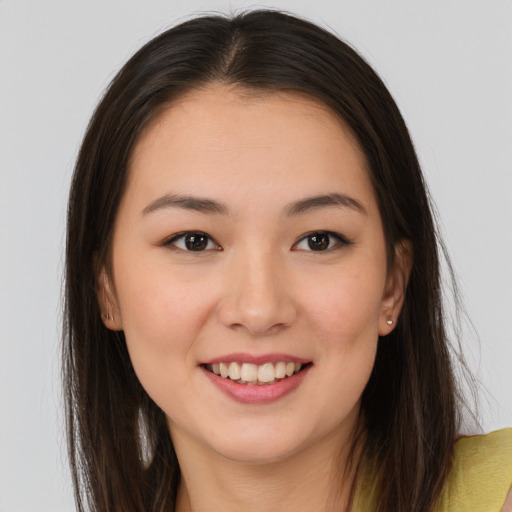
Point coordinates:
[[261, 444], [257, 453]]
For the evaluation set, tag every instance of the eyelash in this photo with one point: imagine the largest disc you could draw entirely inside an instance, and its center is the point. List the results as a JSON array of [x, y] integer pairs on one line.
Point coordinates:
[[340, 241], [172, 241]]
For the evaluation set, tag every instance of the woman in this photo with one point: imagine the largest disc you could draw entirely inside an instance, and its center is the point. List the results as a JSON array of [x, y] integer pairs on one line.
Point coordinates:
[[254, 316]]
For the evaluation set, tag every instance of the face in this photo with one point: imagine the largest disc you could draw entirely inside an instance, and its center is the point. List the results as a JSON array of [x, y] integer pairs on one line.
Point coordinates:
[[249, 243]]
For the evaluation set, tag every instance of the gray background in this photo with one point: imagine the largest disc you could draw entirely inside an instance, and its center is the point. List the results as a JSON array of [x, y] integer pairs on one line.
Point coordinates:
[[447, 62]]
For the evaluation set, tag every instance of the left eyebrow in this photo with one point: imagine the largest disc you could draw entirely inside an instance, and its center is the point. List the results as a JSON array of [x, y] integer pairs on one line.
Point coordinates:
[[186, 202], [324, 201]]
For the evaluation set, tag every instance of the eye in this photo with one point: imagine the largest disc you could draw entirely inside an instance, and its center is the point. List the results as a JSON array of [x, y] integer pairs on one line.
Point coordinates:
[[195, 241], [321, 241]]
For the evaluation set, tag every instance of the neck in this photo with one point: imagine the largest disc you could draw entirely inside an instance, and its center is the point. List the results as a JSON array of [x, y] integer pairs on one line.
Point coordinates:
[[318, 478]]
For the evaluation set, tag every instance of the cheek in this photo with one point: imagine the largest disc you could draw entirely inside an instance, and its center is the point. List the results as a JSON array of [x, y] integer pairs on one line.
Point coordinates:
[[345, 310], [346, 307], [160, 306], [345, 319], [161, 318]]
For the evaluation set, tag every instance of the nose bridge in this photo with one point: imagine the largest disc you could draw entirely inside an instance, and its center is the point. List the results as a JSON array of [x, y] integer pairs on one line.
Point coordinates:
[[256, 298], [257, 284]]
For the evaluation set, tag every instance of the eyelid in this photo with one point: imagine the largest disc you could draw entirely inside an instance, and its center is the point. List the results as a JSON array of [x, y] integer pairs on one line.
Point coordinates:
[[341, 240], [171, 240]]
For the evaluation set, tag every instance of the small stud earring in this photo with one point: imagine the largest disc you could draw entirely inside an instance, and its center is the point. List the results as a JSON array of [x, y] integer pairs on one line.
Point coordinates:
[[389, 321]]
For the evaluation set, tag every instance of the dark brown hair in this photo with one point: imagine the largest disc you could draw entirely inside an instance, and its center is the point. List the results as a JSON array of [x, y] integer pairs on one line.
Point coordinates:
[[122, 456]]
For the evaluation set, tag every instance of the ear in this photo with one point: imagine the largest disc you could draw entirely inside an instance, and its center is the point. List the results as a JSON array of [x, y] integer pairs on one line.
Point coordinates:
[[396, 284], [107, 301]]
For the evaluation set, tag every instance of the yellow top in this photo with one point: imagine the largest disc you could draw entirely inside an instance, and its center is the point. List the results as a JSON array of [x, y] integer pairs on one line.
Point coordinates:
[[479, 481]]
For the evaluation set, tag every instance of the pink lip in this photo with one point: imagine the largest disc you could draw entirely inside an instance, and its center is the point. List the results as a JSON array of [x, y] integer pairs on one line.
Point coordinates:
[[241, 357], [252, 394]]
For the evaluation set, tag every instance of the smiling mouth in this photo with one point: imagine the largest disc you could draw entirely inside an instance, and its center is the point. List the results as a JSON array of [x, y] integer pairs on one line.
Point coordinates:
[[256, 375]]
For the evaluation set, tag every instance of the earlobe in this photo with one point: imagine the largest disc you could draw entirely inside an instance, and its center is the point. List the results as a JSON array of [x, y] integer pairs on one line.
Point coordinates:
[[107, 302], [396, 286]]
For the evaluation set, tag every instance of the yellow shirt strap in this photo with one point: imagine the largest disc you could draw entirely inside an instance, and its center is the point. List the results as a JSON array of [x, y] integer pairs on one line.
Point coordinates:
[[481, 476]]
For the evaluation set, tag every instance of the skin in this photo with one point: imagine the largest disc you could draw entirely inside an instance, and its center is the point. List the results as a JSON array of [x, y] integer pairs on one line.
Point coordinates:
[[507, 507], [258, 288]]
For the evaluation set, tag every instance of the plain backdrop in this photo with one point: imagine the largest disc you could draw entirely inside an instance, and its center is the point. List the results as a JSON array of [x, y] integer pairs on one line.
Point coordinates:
[[447, 62]]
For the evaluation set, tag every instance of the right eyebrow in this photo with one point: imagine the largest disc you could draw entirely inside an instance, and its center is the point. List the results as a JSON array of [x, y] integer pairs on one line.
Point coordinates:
[[324, 201], [196, 204]]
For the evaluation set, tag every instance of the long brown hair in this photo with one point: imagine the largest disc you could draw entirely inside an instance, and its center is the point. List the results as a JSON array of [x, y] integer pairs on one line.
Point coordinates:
[[122, 457]]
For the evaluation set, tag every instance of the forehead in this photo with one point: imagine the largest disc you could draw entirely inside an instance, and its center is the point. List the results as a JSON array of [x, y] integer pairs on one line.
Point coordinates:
[[229, 138], [217, 96], [231, 111]]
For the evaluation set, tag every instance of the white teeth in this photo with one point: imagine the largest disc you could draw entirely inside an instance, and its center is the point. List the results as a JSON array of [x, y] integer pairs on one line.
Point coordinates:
[[249, 372], [290, 368], [224, 370], [234, 371], [266, 373], [280, 370]]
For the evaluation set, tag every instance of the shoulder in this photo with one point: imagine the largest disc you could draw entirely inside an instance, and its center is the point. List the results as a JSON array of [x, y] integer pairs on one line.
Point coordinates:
[[481, 476]]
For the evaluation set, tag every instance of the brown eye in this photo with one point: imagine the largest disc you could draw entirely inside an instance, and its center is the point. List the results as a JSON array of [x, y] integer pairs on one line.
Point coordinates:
[[196, 242], [192, 242], [318, 241], [321, 241]]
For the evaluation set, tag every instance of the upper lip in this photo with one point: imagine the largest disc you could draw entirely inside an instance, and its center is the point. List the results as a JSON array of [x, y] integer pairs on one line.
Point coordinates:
[[257, 359]]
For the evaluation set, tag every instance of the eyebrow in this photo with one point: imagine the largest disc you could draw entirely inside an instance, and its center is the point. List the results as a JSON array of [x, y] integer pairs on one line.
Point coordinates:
[[196, 204], [210, 206], [322, 201]]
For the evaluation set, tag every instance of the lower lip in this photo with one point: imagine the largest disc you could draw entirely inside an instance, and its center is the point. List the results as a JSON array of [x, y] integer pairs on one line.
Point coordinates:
[[261, 394]]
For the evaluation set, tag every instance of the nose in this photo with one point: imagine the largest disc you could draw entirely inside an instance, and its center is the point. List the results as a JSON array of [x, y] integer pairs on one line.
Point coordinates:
[[256, 298]]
